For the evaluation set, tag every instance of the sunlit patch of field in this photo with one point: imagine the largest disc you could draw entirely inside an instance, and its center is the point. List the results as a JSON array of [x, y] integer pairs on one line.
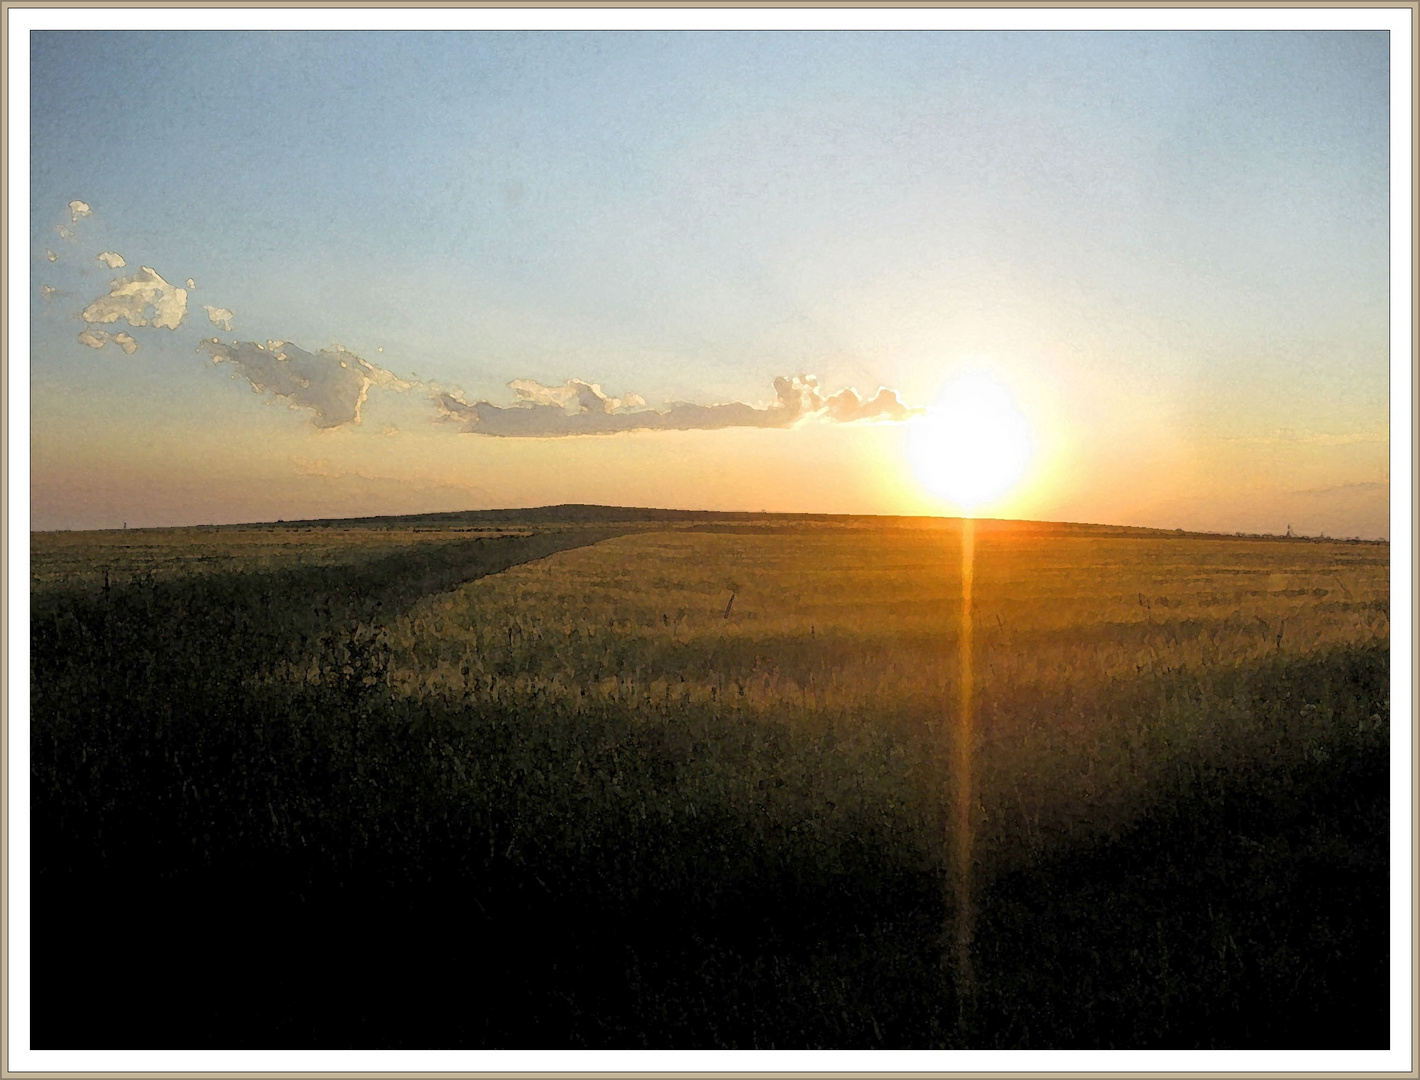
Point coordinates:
[[1106, 666]]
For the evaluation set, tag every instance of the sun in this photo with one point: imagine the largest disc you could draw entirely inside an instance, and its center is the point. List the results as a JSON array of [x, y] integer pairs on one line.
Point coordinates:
[[973, 445]]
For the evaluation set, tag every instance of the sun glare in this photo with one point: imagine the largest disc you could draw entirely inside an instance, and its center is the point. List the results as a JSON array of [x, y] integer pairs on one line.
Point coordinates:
[[973, 445]]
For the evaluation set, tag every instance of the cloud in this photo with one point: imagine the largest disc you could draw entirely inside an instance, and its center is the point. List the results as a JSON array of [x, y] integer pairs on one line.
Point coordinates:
[[51, 256], [77, 209], [97, 339], [388, 379], [332, 383], [112, 258], [587, 396], [543, 411], [846, 406], [46, 291], [132, 298], [219, 316]]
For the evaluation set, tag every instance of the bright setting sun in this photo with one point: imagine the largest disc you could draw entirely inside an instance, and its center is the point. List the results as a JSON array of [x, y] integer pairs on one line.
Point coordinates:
[[973, 445]]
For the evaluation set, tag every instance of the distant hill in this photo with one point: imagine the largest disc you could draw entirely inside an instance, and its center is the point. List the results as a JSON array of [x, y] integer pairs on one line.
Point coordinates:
[[589, 514], [575, 514]]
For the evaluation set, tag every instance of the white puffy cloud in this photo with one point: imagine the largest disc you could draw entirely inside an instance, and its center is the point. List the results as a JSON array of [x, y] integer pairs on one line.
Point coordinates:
[[846, 406], [333, 383], [219, 316], [581, 408], [97, 339], [587, 397], [51, 256], [77, 209], [112, 259], [143, 298]]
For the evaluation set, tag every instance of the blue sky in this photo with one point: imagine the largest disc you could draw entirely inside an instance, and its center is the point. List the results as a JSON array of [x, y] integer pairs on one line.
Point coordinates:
[[1173, 247]]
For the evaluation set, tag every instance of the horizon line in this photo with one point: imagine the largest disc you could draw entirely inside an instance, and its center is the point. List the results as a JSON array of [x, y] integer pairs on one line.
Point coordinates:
[[547, 510]]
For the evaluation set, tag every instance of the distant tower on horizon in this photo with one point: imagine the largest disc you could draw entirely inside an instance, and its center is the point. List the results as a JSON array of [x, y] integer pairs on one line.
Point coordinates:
[[1289, 530]]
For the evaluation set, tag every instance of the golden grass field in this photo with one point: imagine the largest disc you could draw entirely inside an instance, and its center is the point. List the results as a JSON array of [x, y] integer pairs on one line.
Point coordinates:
[[81, 558], [687, 782], [1102, 661]]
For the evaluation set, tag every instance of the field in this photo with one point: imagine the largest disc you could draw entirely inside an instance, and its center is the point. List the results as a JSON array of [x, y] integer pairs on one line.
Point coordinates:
[[587, 778]]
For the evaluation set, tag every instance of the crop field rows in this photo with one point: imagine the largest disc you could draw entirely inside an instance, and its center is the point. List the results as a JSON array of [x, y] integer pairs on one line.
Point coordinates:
[[669, 783]]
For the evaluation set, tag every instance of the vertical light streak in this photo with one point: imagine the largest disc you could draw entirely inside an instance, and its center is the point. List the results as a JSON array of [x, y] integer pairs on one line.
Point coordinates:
[[961, 838]]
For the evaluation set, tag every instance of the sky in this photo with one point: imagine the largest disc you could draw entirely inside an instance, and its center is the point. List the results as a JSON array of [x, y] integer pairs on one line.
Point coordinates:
[[295, 275]]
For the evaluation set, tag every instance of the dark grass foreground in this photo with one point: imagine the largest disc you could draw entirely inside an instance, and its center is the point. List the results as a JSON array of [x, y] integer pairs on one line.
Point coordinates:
[[1252, 912], [323, 864]]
